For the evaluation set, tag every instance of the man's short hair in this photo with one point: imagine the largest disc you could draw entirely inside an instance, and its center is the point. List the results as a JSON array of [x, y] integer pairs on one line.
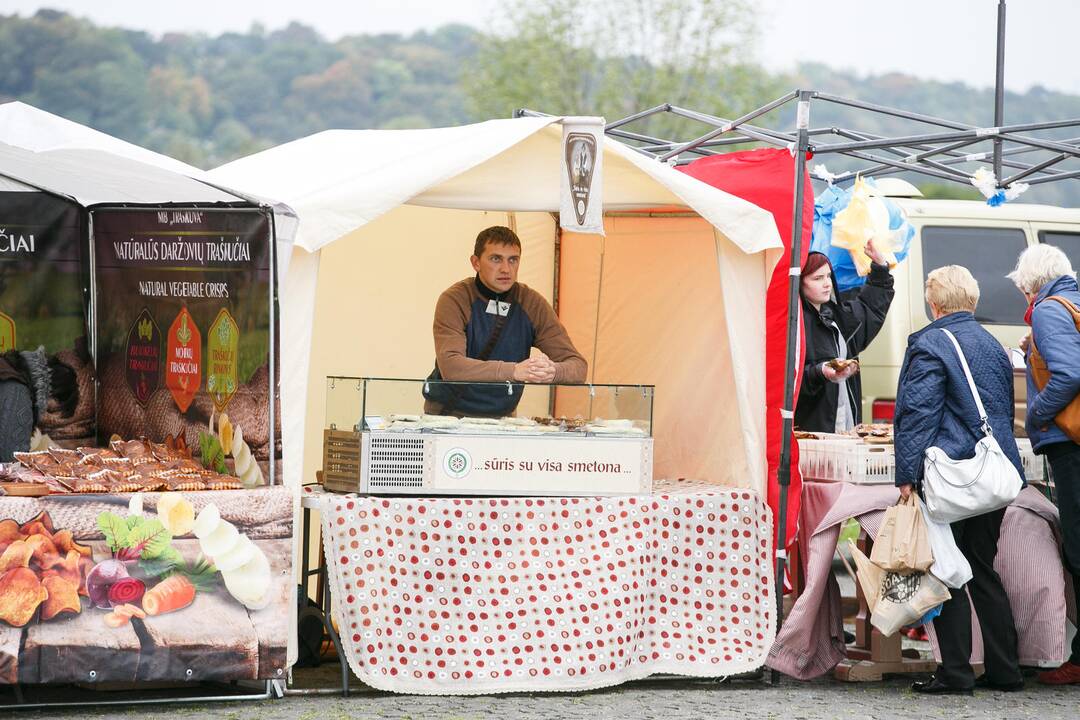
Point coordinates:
[[952, 289], [495, 235]]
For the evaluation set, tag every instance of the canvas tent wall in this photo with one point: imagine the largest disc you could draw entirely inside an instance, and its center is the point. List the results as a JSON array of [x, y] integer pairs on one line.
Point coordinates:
[[372, 256]]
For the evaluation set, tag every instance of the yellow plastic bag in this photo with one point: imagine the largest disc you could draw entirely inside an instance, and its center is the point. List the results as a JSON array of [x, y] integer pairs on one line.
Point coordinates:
[[865, 218]]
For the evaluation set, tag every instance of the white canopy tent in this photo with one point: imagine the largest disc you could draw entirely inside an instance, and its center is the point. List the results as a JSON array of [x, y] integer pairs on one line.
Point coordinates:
[[25, 126], [496, 172], [93, 177]]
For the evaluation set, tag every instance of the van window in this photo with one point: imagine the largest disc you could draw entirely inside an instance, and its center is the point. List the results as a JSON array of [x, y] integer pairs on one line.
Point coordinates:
[[1068, 242], [989, 253]]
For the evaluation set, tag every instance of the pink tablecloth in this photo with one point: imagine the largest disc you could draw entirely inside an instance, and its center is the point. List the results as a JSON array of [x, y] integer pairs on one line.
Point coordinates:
[[1028, 560], [464, 596]]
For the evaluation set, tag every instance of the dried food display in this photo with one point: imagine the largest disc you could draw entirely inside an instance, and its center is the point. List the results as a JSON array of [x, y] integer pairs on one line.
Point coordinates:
[[126, 466], [40, 566], [874, 433], [516, 425]]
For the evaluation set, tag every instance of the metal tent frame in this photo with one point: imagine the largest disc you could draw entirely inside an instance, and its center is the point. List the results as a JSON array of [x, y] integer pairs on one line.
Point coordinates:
[[940, 152]]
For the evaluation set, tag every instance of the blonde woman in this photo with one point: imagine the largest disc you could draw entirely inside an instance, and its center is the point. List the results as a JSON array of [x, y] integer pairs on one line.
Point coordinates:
[[935, 407]]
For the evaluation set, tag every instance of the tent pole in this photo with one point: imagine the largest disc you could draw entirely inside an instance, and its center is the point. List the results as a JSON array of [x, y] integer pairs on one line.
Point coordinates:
[[783, 471], [999, 87]]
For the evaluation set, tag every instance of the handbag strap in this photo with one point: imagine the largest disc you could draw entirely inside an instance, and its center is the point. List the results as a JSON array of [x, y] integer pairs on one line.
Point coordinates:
[[971, 384]]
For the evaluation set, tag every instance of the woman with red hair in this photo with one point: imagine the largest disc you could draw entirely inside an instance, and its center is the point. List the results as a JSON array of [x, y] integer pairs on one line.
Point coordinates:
[[837, 328]]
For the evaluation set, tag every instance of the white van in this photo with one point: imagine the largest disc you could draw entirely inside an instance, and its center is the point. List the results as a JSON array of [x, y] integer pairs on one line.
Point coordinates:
[[986, 240]]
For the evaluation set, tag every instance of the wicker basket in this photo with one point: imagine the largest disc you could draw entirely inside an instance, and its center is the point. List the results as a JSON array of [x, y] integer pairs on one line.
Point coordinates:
[[341, 461]]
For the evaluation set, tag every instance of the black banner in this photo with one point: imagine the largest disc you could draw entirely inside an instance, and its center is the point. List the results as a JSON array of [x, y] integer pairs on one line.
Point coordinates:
[[183, 322], [42, 299], [40, 282]]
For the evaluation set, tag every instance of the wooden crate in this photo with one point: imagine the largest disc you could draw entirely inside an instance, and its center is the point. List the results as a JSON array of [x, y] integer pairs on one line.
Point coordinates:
[[341, 461]]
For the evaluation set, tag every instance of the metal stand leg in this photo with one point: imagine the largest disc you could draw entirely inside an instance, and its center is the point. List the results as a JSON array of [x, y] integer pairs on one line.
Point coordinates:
[[328, 626], [328, 623], [322, 598]]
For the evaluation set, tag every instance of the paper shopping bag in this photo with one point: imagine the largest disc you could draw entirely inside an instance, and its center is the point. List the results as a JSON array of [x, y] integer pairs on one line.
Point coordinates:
[[902, 544], [905, 599], [867, 574]]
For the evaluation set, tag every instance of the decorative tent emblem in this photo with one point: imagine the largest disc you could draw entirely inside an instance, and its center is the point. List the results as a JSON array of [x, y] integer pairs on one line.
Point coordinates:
[[581, 182], [580, 162]]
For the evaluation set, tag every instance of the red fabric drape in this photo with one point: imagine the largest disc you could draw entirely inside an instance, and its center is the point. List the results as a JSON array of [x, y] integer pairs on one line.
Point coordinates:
[[767, 179]]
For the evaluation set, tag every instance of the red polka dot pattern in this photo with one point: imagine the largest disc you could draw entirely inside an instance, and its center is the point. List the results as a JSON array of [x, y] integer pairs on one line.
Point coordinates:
[[499, 595]]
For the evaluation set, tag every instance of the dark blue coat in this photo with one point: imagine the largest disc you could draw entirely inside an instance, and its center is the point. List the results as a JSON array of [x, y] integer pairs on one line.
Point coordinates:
[[1055, 334], [934, 406]]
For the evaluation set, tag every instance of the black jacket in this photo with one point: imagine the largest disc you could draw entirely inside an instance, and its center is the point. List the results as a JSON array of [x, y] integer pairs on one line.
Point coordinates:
[[16, 411], [859, 314]]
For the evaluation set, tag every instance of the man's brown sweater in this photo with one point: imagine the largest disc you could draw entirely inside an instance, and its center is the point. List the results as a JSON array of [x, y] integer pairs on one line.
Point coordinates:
[[463, 306], [464, 325]]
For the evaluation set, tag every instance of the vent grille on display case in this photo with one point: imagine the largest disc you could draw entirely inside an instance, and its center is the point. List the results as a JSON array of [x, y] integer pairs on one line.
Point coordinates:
[[396, 462]]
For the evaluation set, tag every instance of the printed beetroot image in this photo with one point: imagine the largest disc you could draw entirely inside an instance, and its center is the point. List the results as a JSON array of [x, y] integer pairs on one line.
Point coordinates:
[[101, 579], [126, 590]]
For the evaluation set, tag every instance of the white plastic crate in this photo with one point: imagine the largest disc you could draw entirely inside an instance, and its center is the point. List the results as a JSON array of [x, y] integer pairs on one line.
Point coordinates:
[[849, 460]]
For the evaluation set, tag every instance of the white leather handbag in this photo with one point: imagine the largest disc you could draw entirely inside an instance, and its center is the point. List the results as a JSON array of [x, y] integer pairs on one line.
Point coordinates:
[[958, 489]]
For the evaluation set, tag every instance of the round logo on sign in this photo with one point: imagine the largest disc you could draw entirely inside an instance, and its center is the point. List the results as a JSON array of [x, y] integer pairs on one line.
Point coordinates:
[[457, 462]]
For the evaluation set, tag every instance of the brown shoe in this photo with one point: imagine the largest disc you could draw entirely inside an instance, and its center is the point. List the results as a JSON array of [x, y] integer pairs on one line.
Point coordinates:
[[1067, 674]]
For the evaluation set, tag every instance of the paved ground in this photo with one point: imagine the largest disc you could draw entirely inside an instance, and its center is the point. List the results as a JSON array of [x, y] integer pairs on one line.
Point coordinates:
[[675, 699], [664, 700]]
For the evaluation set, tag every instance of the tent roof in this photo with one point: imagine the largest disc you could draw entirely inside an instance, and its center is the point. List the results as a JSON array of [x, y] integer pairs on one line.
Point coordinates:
[[339, 180], [28, 127], [94, 177]]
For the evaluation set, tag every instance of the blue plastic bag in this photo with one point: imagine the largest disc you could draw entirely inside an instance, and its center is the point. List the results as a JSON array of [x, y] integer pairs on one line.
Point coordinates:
[[930, 615], [826, 206]]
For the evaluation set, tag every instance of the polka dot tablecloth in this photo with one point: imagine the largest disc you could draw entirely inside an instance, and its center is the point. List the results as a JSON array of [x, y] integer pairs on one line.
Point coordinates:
[[463, 596]]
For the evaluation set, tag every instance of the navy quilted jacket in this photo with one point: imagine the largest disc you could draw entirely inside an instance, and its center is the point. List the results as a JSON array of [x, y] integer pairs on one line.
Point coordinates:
[[934, 406]]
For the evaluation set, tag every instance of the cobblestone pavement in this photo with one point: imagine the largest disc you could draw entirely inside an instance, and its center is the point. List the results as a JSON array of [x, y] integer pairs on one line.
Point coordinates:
[[678, 699]]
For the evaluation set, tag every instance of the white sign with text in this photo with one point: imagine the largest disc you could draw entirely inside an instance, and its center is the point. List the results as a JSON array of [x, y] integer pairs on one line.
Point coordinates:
[[541, 465]]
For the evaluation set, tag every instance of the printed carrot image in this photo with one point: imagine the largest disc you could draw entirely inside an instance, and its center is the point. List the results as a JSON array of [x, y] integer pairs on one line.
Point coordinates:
[[173, 593]]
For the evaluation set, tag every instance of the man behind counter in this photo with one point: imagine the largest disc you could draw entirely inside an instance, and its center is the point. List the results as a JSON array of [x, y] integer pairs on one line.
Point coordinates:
[[485, 328]]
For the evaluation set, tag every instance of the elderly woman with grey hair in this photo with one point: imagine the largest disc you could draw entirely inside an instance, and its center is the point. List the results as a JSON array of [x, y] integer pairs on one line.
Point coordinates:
[[1046, 278], [935, 407]]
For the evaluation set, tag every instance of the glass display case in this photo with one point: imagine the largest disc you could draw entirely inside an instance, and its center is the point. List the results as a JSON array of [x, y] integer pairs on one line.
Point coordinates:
[[406, 436]]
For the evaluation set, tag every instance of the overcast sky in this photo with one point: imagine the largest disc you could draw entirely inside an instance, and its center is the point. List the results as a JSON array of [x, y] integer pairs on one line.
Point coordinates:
[[945, 40]]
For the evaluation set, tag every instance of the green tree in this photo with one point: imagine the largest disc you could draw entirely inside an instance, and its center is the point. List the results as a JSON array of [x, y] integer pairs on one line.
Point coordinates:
[[614, 58]]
